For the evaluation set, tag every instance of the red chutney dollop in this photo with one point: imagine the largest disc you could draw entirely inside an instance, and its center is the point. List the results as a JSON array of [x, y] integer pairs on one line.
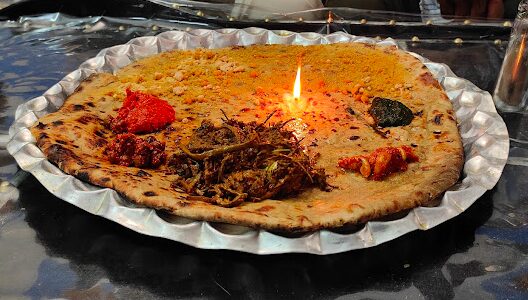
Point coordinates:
[[380, 163], [130, 150], [142, 113]]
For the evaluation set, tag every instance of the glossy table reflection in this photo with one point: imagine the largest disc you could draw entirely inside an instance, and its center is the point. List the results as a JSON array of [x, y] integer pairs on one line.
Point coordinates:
[[51, 249]]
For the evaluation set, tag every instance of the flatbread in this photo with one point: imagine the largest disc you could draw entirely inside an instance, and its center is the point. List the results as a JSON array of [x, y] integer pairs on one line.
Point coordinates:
[[248, 83]]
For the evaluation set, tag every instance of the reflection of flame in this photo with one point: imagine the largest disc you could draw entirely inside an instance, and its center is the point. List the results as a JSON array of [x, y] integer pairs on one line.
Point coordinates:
[[297, 85], [297, 127], [518, 59]]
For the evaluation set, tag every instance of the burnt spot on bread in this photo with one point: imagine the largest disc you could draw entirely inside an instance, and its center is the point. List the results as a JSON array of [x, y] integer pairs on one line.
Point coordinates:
[[61, 142], [40, 125], [99, 133], [83, 175], [438, 119], [57, 123], [91, 104], [79, 88], [86, 119], [150, 193], [104, 179], [102, 99], [184, 203], [142, 173], [378, 131], [428, 79], [58, 153], [43, 135], [440, 135], [450, 115], [78, 107], [353, 138], [100, 142]]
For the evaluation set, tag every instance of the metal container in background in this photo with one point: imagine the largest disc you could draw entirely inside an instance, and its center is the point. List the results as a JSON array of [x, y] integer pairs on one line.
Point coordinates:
[[511, 92]]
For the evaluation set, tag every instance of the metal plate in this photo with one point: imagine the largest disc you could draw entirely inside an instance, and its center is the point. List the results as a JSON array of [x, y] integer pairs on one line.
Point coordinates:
[[484, 136]]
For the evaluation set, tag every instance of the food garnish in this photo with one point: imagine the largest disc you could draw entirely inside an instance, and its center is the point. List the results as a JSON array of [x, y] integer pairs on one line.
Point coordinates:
[[380, 163], [390, 113], [236, 162], [130, 150], [142, 113]]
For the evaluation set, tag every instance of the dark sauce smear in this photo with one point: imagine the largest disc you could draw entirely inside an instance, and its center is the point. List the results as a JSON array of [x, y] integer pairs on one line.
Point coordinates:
[[390, 113]]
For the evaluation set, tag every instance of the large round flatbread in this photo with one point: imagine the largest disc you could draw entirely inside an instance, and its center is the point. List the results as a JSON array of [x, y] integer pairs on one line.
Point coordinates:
[[248, 83]]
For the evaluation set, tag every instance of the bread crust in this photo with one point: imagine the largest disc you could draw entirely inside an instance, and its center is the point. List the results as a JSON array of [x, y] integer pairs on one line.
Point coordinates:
[[248, 83]]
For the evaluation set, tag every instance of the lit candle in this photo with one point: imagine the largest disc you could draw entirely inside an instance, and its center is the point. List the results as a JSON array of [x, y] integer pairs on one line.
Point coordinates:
[[295, 104]]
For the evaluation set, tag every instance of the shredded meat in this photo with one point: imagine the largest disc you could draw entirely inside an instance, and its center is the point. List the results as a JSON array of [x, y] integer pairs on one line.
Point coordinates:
[[129, 150], [380, 163], [236, 162]]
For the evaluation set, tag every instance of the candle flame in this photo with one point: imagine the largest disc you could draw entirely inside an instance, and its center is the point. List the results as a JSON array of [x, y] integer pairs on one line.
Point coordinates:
[[297, 85], [294, 104]]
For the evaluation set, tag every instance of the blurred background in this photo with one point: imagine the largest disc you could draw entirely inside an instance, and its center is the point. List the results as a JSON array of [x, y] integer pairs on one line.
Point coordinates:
[[251, 9]]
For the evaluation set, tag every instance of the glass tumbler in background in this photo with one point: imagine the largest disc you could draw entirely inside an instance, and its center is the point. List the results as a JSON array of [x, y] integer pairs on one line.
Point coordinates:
[[511, 92]]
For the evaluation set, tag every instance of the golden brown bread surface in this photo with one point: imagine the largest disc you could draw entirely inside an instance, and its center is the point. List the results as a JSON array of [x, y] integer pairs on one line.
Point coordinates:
[[248, 83]]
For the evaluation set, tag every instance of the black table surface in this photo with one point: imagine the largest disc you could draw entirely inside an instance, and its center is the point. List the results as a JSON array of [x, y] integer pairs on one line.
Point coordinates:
[[51, 249]]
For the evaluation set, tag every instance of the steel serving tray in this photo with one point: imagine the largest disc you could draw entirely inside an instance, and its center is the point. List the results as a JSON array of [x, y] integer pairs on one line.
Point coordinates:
[[484, 136]]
